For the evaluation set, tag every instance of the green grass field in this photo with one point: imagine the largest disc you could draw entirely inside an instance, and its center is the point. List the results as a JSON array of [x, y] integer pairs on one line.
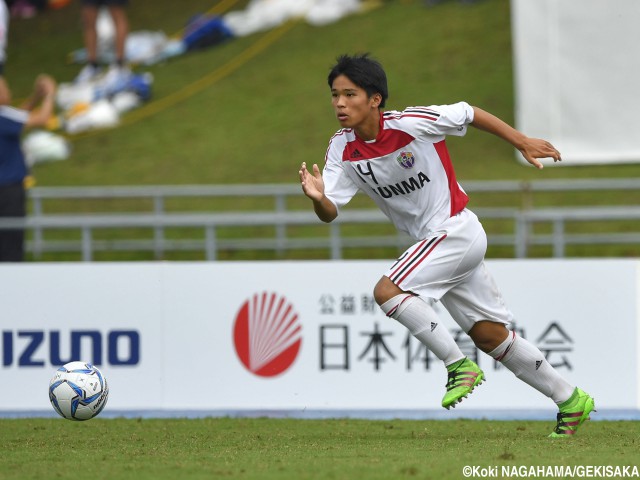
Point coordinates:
[[263, 448]]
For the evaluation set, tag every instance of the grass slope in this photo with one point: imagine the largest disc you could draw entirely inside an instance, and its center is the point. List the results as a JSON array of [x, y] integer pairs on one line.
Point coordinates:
[[259, 121]]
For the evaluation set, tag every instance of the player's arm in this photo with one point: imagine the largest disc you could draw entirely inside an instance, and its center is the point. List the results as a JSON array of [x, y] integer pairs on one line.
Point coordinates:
[[313, 187], [5, 94], [41, 104], [531, 148]]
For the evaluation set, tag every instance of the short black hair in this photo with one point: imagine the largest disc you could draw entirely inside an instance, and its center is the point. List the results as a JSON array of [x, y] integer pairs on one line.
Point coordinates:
[[364, 71]]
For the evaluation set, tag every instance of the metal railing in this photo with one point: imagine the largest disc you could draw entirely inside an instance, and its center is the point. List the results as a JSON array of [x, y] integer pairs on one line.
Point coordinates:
[[520, 234]]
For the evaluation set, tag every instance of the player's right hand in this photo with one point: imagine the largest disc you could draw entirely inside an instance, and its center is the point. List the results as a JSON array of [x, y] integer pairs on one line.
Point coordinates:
[[312, 184]]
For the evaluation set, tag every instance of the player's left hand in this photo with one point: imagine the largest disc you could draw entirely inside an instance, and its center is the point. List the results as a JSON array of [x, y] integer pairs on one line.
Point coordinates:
[[534, 148]]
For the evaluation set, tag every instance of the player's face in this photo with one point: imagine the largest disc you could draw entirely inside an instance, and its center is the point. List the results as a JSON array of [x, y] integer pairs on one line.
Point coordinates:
[[353, 107]]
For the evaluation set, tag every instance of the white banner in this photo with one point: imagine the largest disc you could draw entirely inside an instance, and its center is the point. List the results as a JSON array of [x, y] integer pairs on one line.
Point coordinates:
[[299, 336], [576, 76]]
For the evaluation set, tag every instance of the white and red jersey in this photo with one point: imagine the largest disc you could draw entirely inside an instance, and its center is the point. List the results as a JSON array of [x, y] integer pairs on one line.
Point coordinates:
[[406, 170]]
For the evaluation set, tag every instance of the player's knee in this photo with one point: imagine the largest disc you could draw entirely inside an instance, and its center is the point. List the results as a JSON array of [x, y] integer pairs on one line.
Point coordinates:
[[385, 290], [488, 335]]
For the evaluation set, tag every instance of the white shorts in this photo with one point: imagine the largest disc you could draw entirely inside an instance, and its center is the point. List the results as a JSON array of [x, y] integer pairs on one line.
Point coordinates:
[[449, 266]]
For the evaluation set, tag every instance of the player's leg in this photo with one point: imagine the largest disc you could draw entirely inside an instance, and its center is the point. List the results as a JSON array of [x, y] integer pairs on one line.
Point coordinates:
[[419, 318], [523, 358], [89, 16], [90, 30], [477, 305], [12, 204], [121, 25], [118, 73], [529, 364], [428, 269]]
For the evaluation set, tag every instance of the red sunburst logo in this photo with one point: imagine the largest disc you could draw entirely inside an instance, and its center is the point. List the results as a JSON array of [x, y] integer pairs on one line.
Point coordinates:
[[267, 334]]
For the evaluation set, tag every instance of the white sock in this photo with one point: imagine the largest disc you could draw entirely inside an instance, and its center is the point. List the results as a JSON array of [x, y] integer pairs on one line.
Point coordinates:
[[424, 324], [528, 363]]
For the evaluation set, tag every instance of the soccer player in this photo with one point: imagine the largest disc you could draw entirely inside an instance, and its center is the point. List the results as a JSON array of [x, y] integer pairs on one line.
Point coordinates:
[[400, 160]]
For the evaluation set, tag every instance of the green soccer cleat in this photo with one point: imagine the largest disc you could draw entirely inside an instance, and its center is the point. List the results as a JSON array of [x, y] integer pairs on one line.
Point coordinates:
[[573, 413], [463, 377]]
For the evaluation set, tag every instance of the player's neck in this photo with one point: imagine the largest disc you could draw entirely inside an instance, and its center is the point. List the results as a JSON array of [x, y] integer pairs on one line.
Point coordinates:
[[368, 130]]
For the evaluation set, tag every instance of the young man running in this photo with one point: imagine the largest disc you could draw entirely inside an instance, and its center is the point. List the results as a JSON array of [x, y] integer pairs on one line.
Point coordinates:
[[400, 160]]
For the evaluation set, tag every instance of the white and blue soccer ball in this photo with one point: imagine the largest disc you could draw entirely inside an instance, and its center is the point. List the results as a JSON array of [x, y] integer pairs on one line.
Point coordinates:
[[78, 391]]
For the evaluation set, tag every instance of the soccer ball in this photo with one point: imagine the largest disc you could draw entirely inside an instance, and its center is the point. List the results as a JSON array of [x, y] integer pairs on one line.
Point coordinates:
[[78, 391]]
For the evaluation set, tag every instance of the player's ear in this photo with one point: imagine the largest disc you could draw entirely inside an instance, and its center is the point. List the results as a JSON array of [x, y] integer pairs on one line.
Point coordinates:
[[376, 100]]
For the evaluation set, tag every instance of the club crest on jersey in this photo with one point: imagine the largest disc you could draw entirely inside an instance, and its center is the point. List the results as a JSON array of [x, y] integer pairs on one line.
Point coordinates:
[[406, 159]]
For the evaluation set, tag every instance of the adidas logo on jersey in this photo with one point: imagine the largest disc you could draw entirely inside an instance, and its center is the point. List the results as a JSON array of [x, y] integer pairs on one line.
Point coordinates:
[[538, 363], [356, 154], [433, 326]]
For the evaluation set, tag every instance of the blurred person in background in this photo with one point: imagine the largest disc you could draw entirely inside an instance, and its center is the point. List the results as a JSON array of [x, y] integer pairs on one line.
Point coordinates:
[[401, 161], [90, 10], [33, 113], [4, 32]]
